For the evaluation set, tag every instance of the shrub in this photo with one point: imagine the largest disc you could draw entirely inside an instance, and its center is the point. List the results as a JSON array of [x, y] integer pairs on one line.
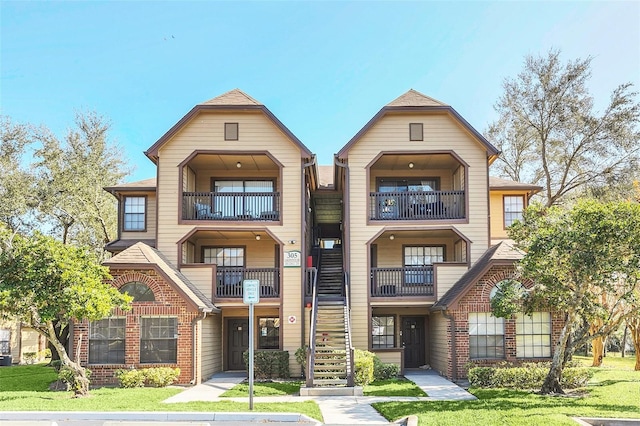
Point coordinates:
[[383, 371], [529, 376], [364, 367], [67, 376], [301, 359], [269, 364], [30, 357], [161, 377], [130, 378]]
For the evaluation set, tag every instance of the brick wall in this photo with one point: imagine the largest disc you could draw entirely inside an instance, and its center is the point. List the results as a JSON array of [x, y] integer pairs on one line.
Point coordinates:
[[477, 300], [167, 303]]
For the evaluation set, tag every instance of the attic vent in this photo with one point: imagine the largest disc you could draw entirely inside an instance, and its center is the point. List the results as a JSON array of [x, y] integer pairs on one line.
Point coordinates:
[[415, 132], [230, 131]]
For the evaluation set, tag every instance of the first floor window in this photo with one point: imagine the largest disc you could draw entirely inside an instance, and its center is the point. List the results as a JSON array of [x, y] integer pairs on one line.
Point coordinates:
[[268, 333], [383, 332], [159, 340], [486, 336], [533, 335], [5, 342], [134, 213], [106, 341]]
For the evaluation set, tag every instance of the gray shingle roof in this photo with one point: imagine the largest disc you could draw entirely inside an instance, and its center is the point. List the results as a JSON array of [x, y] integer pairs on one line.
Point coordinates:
[[232, 97], [142, 254], [414, 98]]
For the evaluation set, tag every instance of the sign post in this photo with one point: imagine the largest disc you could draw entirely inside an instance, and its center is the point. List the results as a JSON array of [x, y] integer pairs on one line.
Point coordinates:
[[251, 296]]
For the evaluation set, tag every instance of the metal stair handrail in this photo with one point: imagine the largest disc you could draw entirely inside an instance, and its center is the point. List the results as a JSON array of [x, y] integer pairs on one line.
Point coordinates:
[[349, 345], [311, 350]]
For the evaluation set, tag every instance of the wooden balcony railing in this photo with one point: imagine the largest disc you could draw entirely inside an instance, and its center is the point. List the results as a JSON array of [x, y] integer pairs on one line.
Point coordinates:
[[406, 281], [252, 206], [229, 281], [417, 205]]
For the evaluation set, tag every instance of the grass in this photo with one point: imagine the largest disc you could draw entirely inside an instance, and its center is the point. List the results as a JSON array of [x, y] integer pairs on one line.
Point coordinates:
[[393, 387], [265, 389], [614, 391], [25, 388]]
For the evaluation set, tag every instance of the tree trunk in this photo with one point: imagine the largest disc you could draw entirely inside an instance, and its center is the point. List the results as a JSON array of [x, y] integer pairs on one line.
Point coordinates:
[[62, 334], [634, 327], [552, 381], [80, 385], [623, 350], [597, 344]]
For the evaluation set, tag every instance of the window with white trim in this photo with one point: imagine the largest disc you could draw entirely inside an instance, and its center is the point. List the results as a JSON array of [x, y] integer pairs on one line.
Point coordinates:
[[134, 213], [486, 336], [107, 341], [383, 332], [223, 256], [533, 335], [158, 340], [513, 209]]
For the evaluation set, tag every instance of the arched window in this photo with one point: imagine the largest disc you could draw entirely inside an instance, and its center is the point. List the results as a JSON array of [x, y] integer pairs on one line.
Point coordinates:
[[505, 286], [139, 291]]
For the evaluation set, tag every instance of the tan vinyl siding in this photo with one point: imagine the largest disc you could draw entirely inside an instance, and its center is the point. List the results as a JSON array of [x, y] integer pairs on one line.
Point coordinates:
[[389, 357], [441, 133], [200, 276], [258, 254], [151, 220], [391, 252], [447, 275], [439, 353], [211, 345]]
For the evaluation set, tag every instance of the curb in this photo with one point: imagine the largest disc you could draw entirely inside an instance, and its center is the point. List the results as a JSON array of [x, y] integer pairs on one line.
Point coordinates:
[[156, 416]]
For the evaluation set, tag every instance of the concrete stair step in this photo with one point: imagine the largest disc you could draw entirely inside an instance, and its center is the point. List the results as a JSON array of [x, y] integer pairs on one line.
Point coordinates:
[[330, 382]]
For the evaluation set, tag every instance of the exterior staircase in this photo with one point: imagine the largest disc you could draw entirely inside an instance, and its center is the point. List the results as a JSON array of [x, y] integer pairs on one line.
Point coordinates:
[[330, 360], [331, 353]]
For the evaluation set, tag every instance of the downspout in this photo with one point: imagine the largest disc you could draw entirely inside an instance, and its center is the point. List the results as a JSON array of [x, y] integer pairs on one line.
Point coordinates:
[[452, 349], [194, 342], [303, 244]]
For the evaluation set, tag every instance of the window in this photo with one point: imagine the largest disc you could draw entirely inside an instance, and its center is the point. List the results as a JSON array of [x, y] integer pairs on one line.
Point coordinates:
[[419, 261], [404, 185], [159, 340], [106, 341], [5, 342], [134, 217], [416, 132], [383, 332], [223, 256], [533, 335], [230, 199], [486, 336], [139, 291], [230, 131], [513, 207], [268, 333]]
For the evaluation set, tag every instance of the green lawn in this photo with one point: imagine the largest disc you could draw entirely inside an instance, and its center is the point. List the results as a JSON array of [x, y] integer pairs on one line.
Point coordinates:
[[265, 389], [393, 387], [614, 391], [25, 388]]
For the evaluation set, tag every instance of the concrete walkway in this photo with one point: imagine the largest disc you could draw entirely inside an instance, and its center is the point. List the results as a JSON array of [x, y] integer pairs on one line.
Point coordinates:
[[344, 410]]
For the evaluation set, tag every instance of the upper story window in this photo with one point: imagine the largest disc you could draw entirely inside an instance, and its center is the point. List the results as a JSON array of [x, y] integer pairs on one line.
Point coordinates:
[[416, 132], [513, 208], [223, 256], [134, 213], [244, 198], [230, 131], [404, 185], [139, 291]]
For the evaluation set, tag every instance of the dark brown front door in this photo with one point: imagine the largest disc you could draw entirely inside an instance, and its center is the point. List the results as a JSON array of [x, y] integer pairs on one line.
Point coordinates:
[[237, 342], [413, 341]]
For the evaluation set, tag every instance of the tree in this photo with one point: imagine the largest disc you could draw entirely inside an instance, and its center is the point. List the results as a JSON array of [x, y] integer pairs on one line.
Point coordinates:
[[80, 210], [575, 258], [43, 281], [17, 182], [551, 135], [633, 322]]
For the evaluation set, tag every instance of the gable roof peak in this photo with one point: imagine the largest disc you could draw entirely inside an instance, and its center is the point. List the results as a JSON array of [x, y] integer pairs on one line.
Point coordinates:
[[413, 98], [232, 97]]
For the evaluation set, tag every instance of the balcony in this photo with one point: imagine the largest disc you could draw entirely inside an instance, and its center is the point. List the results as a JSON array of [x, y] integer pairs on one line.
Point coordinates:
[[229, 281], [231, 206], [417, 205], [405, 281]]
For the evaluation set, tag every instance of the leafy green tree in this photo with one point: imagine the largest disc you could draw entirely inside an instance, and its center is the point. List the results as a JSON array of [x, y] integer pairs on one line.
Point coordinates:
[[575, 258], [17, 181], [550, 133], [44, 282], [72, 175]]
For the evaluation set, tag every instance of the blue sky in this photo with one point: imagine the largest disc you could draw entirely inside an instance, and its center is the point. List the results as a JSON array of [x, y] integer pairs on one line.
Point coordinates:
[[323, 68]]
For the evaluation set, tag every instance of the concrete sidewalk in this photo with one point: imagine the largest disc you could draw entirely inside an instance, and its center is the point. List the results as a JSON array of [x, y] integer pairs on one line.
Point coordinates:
[[345, 410]]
